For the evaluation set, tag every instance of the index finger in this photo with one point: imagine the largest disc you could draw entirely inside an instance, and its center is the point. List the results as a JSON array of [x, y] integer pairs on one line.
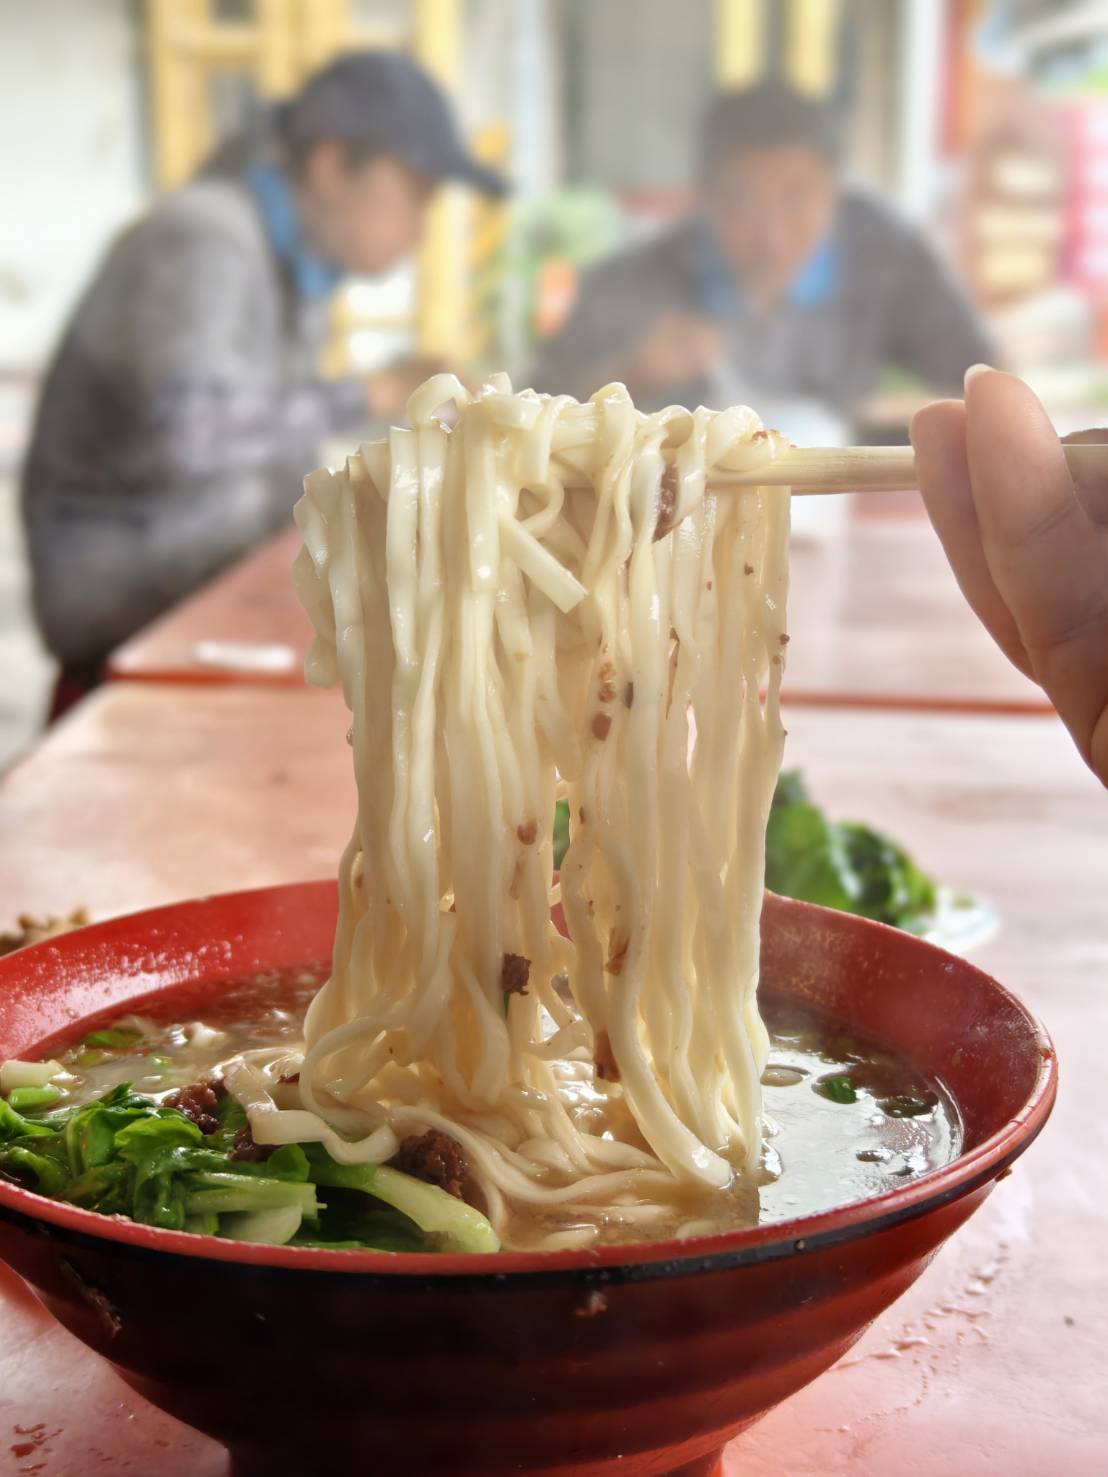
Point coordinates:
[[1042, 552]]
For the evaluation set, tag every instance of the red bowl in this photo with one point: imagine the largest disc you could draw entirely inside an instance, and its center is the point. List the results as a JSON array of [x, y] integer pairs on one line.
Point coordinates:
[[646, 1359]]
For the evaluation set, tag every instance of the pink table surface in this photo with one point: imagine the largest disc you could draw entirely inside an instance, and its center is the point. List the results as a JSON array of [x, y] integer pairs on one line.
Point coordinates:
[[878, 620], [996, 1362], [876, 614]]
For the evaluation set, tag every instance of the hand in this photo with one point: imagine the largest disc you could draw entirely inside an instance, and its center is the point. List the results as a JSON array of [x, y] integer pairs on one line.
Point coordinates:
[[388, 389], [676, 349], [1029, 549]]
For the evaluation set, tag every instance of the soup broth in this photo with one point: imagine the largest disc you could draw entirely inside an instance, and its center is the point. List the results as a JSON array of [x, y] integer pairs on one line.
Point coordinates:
[[844, 1119]]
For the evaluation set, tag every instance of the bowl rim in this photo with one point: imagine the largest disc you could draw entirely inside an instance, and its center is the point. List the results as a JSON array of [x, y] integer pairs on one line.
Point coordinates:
[[636, 1262]]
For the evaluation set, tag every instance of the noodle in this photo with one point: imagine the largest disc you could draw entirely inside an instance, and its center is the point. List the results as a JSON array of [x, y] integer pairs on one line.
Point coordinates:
[[547, 599]]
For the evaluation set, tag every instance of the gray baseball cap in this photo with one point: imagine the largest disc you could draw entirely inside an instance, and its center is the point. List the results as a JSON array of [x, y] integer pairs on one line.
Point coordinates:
[[383, 100]]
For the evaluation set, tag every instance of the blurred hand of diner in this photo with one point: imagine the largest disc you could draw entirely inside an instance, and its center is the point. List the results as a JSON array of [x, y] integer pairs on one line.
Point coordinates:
[[1029, 547], [677, 348], [388, 389]]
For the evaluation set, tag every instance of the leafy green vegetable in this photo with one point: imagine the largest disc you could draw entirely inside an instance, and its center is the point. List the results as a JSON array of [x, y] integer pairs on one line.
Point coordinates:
[[354, 1219], [273, 1227], [91, 1130], [115, 1038], [561, 832], [289, 1162], [228, 1191], [232, 1117], [837, 1089], [455, 1225], [146, 1138], [24, 1099], [791, 789], [14, 1126], [894, 889], [356, 1245], [842, 864], [107, 1188], [36, 1171], [202, 1225], [125, 1154], [158, 1196], [805, 858]]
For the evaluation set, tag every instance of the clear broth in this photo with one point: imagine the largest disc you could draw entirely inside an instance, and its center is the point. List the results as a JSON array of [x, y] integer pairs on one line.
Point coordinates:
[[845, 1120]]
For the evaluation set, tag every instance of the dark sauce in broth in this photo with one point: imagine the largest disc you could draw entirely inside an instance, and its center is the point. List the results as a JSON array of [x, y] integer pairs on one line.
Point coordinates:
[[845, 1120]]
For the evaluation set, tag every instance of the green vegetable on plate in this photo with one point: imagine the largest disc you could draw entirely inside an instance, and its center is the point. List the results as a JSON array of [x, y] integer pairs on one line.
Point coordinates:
[[842, 864]]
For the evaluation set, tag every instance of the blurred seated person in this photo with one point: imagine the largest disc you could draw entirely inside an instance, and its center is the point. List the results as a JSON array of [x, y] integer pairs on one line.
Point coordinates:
[[785, 288], [184, 405]]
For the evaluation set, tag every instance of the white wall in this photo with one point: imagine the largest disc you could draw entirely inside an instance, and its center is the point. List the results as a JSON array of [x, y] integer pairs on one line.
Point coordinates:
[[70, 165], [511, 74]]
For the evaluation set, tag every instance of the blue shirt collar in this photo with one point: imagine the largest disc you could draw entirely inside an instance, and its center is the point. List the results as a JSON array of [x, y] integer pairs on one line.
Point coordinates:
[[313, 277], [818, 279], [720, 296]]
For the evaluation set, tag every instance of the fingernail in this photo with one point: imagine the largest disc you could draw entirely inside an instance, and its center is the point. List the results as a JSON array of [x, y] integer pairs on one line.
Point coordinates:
[[974, 370]]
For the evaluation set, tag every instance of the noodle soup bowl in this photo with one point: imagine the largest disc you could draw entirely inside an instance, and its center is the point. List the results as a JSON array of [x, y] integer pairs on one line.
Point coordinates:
[[638, 1359]]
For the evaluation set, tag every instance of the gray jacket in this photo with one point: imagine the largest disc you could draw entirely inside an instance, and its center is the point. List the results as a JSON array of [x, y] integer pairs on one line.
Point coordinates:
[[894, 303], [179, 416]]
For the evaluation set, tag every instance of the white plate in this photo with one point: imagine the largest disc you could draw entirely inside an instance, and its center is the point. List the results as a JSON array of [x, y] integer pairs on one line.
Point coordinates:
[[962, 922]]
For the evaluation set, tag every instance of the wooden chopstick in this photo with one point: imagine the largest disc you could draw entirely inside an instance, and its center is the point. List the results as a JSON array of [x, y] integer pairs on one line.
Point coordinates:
[[819, 469]]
